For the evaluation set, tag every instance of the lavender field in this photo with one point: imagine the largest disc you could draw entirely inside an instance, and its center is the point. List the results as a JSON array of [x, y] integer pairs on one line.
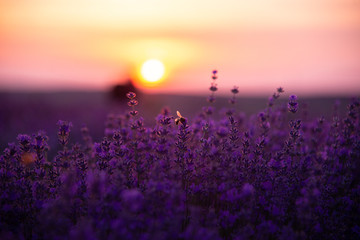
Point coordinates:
[[83, 166]]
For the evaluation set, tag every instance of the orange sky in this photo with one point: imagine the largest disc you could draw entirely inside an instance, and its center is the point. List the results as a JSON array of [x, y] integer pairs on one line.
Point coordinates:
[[305, 46]]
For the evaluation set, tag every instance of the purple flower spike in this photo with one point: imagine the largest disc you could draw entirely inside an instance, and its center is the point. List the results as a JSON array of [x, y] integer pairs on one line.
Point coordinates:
[[293, 105], [132, 102], [131, 95], [235, 90], [64, 131]]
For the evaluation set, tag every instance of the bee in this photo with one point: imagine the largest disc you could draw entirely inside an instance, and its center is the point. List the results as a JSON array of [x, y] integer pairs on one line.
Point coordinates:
[[180, 119]]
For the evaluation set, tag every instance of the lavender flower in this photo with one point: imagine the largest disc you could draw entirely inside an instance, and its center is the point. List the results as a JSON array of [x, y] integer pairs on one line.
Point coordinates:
[[131, 95], [25, 142], [132, 103], [213, 87], [64, 132], [293, 105], [234, 90], [266, 176]]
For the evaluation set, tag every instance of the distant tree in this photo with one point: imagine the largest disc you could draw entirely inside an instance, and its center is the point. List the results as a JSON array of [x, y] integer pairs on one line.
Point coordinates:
[[118, 92]]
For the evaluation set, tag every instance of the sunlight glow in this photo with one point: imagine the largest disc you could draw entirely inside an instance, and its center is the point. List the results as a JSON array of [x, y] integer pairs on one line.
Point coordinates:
[[303, 45], [152, 70]]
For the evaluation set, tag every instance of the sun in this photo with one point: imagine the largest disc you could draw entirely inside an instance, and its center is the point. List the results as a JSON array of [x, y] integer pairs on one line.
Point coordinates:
[[152, 70]]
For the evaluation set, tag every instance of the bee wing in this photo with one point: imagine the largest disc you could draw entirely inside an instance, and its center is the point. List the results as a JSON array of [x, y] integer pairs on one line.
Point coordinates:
[[179, 115]]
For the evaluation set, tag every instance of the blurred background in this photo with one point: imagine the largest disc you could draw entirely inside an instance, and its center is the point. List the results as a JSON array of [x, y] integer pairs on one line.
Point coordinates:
[[308, 47], [70, 58]]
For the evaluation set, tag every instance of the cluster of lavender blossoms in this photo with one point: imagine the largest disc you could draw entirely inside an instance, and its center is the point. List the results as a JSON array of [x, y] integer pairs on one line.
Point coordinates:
[[272, 176]]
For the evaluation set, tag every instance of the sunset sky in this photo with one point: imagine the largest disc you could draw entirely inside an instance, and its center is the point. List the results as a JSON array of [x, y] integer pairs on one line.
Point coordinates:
[[306, 46]]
